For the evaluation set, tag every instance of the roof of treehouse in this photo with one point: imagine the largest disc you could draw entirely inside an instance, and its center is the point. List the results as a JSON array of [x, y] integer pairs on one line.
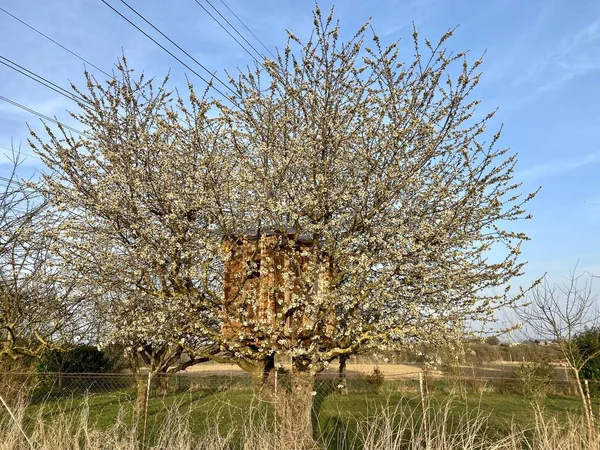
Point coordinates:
[[254, 234]]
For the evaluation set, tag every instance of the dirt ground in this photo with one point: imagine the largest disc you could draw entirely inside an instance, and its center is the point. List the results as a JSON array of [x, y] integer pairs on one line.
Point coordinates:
[[402, 371]]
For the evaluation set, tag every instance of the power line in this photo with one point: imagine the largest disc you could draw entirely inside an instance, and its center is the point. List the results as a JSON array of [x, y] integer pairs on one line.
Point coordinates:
[[43, 81], [47, 83], [176, 45], [228, 32], [249, 30], [57, 43], [234, 29], [10, 181], [32, 111], [19, 152], [170, 53]]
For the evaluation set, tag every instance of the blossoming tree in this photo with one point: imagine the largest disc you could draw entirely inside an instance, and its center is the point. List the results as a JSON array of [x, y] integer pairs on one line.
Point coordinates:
[[347, 200]]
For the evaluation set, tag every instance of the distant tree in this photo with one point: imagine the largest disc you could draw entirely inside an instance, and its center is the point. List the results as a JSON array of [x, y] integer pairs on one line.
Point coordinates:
[[347, 201], [588, 345], [492, 340]]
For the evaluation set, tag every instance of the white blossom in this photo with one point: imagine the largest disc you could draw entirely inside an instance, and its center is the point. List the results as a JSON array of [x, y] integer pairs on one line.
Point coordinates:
[[345, 202]]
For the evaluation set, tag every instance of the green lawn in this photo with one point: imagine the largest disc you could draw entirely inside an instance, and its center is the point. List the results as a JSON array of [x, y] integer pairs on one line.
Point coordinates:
[[336, 416]]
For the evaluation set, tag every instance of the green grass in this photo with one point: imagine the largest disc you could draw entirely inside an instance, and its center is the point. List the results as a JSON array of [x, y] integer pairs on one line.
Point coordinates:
[[336, 415], [204, 409]]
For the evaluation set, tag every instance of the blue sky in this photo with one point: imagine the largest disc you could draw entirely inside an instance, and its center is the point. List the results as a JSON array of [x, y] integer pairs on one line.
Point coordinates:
[[541, 69]]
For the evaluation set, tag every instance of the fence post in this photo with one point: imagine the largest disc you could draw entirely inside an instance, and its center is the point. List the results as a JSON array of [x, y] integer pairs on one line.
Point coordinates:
[[589, 401], [275, 397], [146, 410], [423, 407]]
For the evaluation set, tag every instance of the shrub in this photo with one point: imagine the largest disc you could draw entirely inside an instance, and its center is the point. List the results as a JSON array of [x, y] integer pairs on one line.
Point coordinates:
[[80, 359], [375, 379], [492, 340], [535, 378], [588, 344]]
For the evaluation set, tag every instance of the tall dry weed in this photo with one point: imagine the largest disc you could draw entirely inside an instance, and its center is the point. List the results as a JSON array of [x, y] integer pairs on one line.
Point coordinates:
[[393, 427]]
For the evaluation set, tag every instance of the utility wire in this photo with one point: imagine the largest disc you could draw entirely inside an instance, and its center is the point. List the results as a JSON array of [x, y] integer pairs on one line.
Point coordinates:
[[229, 33], [176, 45], [6, 182], [10, 180], [170, 53], [249, 30], [43, 81], [42, 116], [236, 30], [57, 43], [19, 152]]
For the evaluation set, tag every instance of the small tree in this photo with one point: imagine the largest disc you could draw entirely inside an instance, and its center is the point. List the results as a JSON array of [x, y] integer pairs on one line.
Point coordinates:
[[492, 340], [560, 313], [535, 379]]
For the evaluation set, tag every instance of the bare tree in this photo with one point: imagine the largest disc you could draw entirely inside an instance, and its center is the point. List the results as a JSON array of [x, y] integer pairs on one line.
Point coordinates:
[[561, 312], [36, 310], [347, 202]]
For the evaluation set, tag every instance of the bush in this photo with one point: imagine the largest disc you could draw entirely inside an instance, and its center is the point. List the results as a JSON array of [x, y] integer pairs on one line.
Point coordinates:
[[492, 340], [588, 343], [375, 379], [80, 359], [535, 379]]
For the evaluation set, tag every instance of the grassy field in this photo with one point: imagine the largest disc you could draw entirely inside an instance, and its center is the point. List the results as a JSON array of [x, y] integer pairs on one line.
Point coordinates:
[[337, 418]]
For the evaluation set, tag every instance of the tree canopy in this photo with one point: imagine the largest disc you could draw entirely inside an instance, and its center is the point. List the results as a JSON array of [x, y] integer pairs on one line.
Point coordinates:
[[381, 165]]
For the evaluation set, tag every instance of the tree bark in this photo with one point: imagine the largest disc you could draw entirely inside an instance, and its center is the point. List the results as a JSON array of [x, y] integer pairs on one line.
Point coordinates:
[[294, 408], [260, 372], [161, 383], [342, 375], [141, 381]]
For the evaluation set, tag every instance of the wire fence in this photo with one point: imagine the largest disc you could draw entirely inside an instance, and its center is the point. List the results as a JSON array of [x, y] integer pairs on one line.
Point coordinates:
[[230, 401], [38, 388]]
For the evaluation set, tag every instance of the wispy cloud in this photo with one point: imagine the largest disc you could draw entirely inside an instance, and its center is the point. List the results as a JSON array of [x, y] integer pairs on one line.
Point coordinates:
[[586, 35], [418, 11], [559, 166], [575, 55]]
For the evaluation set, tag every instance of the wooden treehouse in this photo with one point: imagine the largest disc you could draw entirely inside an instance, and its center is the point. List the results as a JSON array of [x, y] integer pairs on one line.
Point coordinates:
[[269, 278]]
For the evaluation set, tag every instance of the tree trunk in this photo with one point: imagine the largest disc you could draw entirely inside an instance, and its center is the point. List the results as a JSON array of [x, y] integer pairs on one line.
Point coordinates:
[[342, 375], [294, 408], [161, 383], [292, 401], [260, 372], [141, 381]]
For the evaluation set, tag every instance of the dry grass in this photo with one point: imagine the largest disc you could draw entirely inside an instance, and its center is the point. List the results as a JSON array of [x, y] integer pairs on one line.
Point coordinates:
[[388, 428]]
